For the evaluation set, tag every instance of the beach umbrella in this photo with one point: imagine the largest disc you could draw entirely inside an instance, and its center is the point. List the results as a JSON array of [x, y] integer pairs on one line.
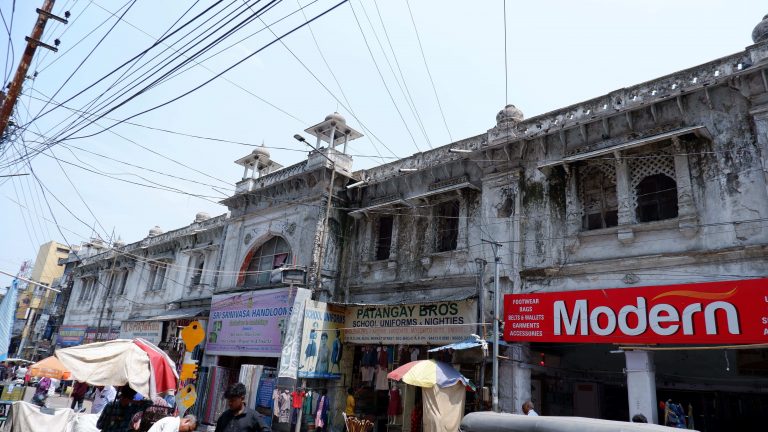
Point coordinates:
[[429, 373], [50, 367], [136, 362]]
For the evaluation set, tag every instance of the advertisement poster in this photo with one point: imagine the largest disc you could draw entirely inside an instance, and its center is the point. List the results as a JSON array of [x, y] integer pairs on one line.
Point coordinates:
[[70, 335], [289, 358], [93, 334], [151, 331], [250, 323], [733, 312], [411, 324], [322, 340]]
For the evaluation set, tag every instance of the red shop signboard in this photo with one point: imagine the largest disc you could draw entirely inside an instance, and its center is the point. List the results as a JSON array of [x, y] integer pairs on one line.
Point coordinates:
[[733, 312]]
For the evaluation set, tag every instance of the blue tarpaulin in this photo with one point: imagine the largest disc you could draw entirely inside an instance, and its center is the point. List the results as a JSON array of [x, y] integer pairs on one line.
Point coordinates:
[[473, 341]]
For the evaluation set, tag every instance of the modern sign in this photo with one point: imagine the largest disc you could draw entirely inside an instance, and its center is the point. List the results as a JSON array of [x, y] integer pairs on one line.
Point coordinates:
[[151, 331], [250, 323], [411, 324], [733, 312]]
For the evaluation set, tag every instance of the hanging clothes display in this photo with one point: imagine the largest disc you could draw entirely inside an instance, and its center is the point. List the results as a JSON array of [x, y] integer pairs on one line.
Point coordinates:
[[395, 406], [250, 376], [321, 416], [383, 357], [212, 383], [309, 417], [382, 383], [284, 403]]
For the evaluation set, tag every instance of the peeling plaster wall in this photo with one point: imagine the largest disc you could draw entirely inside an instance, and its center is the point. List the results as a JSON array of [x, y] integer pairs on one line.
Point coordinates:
[[137, 300], [727, 184]]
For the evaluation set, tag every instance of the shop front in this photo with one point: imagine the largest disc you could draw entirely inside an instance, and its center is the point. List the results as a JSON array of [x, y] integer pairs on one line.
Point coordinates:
[[103, 333], [245, 335], [693, 354], [381, 338]]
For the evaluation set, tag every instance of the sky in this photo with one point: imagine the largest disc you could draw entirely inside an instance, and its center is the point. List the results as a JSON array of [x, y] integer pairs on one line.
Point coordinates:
[[410, 75]]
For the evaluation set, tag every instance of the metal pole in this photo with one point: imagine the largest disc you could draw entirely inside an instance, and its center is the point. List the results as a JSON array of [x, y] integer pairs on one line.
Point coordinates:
[[496, 315], [496, 296], [29, 281]]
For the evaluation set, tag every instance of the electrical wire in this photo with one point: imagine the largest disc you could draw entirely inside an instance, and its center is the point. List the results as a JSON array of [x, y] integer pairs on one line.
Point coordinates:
[[429, 73], [383, 81], [198, 87], [403, 87], [335, 79]]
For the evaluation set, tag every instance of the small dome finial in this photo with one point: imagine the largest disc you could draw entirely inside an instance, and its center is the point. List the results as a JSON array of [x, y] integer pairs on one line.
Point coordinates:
[[760, 33], [154, 232], [336, 117], [509, 116]]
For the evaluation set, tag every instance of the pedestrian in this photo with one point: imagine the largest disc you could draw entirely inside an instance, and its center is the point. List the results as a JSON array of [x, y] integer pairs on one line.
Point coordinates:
[[175, 424], [239, 418], [639, 418], [78, 395], [117, 415], [104, 395], [350, 409], [41, 393], [21, 372], [528, 409], [54, 385]]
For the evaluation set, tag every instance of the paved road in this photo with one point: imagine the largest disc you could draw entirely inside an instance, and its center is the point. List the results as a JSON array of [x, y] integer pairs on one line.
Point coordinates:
[[56, 401]]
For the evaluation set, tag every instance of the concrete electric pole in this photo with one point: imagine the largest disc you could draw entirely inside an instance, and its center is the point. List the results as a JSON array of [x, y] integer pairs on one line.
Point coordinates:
[[33, 42], [496, 319]]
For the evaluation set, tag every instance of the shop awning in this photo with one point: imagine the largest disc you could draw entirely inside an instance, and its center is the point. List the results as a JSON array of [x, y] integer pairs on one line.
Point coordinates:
[[473, 341], [175, 315]]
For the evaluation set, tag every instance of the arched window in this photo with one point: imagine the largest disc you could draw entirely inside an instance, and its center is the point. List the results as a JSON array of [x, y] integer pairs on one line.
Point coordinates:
[[271, 255], [656, 198]]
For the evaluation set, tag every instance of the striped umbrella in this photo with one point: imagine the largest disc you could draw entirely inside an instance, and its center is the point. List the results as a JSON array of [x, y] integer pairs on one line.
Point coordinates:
[[429, 373]]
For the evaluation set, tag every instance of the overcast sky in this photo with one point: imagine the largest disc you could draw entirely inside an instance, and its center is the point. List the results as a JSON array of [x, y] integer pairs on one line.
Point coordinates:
[[560, 53]]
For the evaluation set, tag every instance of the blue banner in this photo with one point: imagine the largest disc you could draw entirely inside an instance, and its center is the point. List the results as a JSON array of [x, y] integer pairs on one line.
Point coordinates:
[[7, 315]]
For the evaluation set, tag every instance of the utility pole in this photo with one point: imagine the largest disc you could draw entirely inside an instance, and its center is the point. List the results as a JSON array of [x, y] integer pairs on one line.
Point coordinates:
[[33, 42], [107, 294], [496, 316]]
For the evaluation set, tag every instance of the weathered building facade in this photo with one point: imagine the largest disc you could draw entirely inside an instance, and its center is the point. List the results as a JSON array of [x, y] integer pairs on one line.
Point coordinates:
[[141, 287], [660, 183], [664, 182]]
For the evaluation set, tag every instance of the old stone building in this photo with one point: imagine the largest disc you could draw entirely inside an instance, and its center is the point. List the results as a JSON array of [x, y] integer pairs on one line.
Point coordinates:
[[661, 183], [655, 184], [145, 288]]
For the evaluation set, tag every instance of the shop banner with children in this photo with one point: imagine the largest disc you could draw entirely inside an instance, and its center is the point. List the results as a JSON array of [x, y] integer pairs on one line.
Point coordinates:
[[322, 341]]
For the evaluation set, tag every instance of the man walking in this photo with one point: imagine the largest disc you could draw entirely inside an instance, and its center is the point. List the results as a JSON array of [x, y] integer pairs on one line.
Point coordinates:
[[239, 418], [528, 409], [175, 424], [78, 395]]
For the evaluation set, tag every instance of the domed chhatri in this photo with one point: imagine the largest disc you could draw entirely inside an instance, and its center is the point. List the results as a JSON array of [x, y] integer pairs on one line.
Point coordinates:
[[156, 231], [338, 118], [508, 116], [760, 33], [202, 216], [261, 152]]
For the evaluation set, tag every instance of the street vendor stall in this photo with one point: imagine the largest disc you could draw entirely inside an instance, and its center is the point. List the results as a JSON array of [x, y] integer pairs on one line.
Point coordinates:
[[50, 367], [138, 363], [443, 391]]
